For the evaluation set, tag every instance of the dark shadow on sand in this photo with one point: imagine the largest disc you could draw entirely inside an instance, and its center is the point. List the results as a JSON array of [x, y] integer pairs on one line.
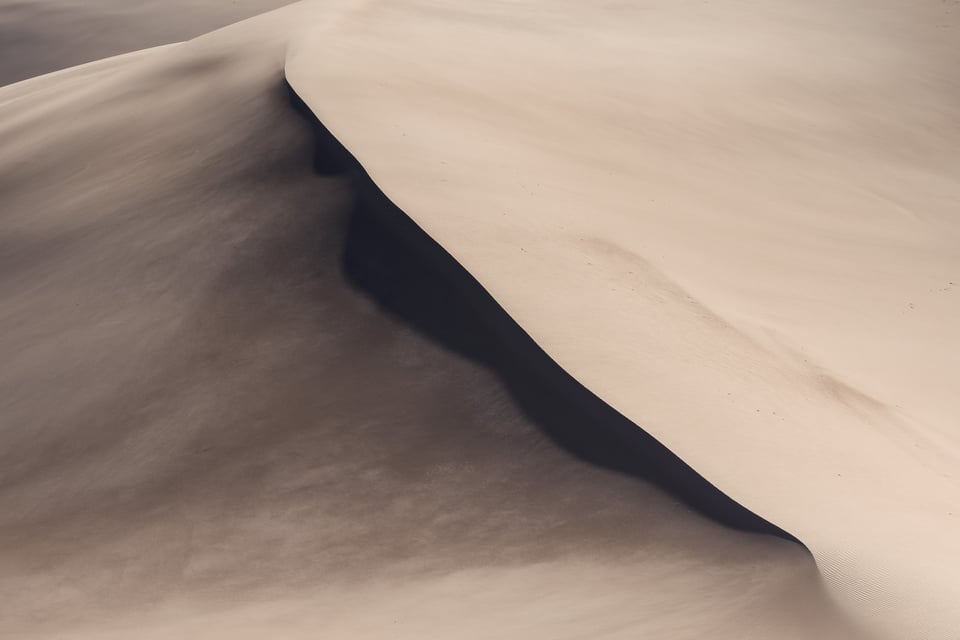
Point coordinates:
[[390, 258]]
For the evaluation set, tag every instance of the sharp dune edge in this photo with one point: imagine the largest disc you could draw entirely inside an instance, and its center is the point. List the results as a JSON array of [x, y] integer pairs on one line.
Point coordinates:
[[387, 255], [609, 278]]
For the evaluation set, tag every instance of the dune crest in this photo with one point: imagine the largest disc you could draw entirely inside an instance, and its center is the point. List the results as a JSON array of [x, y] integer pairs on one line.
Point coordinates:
[[241, 399], [208, 431], [717, 219]]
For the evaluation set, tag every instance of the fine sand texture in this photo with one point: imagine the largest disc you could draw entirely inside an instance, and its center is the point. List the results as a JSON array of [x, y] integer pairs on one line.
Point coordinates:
[[735, 222], [520, 320], [211, 430]]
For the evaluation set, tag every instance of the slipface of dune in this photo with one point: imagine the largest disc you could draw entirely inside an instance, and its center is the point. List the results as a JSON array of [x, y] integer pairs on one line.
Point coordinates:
[[586, 297]]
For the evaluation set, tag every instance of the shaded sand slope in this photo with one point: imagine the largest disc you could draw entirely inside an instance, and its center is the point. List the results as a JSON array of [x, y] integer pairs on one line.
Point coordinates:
[[392, 259], [735, 222], [205, 431], [40, 36]]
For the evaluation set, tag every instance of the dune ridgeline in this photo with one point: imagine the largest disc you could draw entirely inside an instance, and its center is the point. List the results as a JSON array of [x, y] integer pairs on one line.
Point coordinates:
[[521, 320]]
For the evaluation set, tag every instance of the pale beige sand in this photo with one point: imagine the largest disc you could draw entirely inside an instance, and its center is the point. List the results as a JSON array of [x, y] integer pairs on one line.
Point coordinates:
[[737, 222], [207, 433]]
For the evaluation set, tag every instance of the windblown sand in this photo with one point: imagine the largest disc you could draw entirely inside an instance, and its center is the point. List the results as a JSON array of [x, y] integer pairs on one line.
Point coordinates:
[[734, 222]]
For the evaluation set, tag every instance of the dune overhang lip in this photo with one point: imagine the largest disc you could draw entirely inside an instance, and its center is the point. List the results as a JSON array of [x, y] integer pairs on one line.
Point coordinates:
[[410, 275]]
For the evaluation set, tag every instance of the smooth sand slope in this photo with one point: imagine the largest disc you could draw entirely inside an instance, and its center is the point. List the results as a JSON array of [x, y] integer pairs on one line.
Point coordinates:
[[736, 222], [217, 422], [207, 432]]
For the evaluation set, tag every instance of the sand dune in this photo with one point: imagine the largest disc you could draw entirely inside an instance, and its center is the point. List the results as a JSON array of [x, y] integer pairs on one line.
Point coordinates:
[[209, 432], [722, 221], [541, 384]]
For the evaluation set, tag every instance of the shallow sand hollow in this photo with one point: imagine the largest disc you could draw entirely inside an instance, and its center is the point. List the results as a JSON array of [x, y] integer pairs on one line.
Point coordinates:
[[220, 419]]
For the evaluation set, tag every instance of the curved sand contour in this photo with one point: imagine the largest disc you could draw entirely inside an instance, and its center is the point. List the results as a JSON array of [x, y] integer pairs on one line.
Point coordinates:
[[733, 224], [209, 432]]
